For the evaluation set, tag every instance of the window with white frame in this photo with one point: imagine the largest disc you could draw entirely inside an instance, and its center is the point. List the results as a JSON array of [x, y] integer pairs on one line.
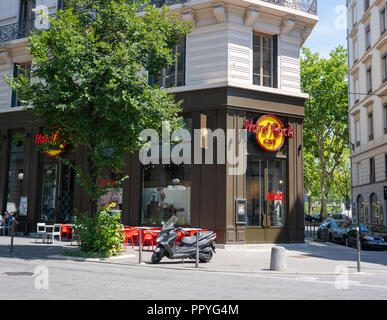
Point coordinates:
[[356, 88], [174, 76], [371, 126], [355, 50], [372, 170], [383, 19], [385, 117], [384, 66], [368, 36], [369, 79], [366, 4], [357, 132], [354, 14], [19, 69], [263, 60]]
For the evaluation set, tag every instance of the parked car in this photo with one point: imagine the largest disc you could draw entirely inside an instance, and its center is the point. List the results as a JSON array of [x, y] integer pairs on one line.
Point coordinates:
[[340, 234], [372, 236], [308, 217], [340, 216], [333, 230], [318, 218]]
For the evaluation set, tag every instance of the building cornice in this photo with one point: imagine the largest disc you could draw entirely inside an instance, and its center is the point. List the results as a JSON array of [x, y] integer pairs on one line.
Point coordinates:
[[235, 84]]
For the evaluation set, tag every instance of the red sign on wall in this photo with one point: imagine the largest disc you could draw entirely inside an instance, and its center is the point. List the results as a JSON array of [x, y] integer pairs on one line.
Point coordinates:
[[276, 196]]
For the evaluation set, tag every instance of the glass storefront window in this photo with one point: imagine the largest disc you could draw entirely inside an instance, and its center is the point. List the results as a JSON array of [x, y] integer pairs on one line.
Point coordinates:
[[48, 205], [166, 192], [266, 192], [276, 192], [15, 171]]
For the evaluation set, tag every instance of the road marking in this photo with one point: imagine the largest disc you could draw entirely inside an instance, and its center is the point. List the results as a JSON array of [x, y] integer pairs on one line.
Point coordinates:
[[308, 279]]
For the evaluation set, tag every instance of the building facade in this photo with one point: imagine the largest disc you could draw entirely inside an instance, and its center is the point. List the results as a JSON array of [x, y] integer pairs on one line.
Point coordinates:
[[238, 68], [367, 48]]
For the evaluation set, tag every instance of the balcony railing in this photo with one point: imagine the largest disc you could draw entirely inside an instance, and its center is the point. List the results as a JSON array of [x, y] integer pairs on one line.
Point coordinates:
[[308, 6], [20, 30]]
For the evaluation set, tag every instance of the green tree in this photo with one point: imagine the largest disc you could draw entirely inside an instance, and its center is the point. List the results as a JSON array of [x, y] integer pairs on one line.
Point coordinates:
[[326, 125], [342, 177], [311, 179], [89, 80]]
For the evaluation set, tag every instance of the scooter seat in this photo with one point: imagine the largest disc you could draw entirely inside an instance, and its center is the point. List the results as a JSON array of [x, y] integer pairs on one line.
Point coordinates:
[[192, 239]]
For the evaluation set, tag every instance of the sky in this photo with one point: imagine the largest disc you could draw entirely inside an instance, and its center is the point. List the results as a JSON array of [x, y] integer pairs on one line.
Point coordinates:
[[331, 30]]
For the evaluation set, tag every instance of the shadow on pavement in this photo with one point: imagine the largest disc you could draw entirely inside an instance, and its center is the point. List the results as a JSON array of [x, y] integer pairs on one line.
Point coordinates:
[[338, 252], [30, 250]]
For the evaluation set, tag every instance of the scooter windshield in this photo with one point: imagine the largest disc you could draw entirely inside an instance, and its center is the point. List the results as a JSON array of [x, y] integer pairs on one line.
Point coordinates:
[[170, 223]]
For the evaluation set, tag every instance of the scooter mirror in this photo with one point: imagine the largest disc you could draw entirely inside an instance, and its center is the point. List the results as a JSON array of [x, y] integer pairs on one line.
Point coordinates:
[[170, 223]]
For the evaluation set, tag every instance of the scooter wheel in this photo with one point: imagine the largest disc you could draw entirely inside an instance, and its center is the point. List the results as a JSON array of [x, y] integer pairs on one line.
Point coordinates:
[[206, 258], [156, 257]]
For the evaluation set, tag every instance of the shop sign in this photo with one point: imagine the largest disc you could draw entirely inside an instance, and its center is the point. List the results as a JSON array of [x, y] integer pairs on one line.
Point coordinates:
[[276, 196], [23, 206], [269, 132], [241, 211], [54, 139]]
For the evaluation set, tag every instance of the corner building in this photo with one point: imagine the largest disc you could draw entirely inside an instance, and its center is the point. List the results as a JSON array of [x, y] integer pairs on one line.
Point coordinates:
[[239, 66], [367, 53]]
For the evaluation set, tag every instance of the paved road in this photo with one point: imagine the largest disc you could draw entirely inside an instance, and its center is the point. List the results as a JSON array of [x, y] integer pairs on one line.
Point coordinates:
[[233, 275], [88, 280]]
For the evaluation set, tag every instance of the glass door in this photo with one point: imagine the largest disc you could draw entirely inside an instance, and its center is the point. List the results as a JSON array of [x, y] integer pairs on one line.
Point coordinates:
[[57, 193], [49, 192], [266, 200]]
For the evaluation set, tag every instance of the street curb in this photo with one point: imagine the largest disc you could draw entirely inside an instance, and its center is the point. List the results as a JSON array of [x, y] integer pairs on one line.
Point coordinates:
[[201, 269], [62, 257]]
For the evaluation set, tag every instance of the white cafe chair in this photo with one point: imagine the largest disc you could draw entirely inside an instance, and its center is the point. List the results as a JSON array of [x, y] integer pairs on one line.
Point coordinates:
[[2, 228], [40, 231], [56, 232]]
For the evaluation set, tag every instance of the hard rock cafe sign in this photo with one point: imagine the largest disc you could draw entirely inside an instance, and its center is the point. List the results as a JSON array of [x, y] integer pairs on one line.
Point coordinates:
[[269, 132], [53, 140]]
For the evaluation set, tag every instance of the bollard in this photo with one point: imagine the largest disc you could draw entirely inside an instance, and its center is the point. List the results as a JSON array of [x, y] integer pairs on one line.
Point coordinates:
[[12, 234], [197, 250], [358, 248], [278, 259], [140, 246]]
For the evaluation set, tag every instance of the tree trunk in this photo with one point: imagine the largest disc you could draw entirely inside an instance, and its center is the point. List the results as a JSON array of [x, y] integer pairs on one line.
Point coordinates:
[[324, 205], [92, 207]]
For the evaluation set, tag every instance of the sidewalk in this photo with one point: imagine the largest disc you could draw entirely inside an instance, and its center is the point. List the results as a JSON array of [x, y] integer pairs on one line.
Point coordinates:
[[308, 258]]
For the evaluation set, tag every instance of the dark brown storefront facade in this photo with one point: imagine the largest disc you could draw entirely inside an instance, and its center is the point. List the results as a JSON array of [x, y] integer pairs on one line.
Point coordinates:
[[213, 193]]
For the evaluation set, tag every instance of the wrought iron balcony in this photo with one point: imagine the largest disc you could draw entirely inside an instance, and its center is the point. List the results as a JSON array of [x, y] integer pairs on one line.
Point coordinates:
[[308, 6], [19, 30]]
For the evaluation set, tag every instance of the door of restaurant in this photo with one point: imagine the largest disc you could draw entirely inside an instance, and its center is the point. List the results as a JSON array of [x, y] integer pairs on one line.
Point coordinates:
[[266, 200], [57, 192]]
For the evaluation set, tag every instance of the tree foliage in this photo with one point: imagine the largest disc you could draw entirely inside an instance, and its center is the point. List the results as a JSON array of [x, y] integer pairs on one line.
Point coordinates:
[[326, 135], [89, 79]]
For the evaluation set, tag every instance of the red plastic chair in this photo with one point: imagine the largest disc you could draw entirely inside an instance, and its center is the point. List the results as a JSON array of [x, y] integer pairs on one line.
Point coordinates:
[[129, 235], [180, 235], [149, 236], [66, 229]]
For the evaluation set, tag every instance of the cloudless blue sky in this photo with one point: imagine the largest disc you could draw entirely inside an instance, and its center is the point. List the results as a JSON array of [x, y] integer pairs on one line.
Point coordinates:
[[330, 31]]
